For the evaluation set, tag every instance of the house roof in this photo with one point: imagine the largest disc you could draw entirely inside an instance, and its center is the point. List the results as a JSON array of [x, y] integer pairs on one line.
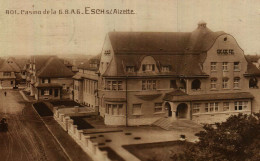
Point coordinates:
[[205, 97], [184, 52], [6, 67], [54, 68], [87, 63], [44, 85], [40, 60]]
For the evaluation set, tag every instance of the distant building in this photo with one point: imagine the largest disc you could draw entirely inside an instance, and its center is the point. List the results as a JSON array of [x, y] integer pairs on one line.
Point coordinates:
[[86, 83], [49, 78], [144, 76], [7, 76]]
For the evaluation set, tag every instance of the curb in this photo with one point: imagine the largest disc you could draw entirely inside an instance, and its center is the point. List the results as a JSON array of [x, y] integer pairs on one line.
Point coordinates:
[[63, 149], [24, 97]]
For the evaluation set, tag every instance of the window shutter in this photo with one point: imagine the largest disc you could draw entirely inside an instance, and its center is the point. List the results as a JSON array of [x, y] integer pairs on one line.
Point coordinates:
[[50, 91], [143, 67], [42, 92], [153, 67]]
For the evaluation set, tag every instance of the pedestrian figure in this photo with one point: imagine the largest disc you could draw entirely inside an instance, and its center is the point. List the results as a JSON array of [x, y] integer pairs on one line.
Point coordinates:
[[5, 93]]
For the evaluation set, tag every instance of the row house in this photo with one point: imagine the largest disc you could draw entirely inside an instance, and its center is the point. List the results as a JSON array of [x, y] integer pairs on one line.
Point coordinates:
[[49, 78], [7, 76], [200, 75]]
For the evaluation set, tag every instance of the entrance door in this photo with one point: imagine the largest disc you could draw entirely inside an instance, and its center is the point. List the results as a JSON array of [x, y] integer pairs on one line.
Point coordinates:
[[182, 111], [168, 107]]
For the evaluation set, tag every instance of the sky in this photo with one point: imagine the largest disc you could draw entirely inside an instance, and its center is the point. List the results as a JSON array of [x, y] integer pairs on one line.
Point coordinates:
[[85, 33]]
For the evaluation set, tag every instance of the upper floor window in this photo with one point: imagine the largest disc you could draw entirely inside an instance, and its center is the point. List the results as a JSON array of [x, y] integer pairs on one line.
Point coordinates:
[[7, 74], [225, 83], [130, 69], [195, 84], [148, 67], [213, 83], [253, 83], [213, 66], [236, 82], [165, 68], [211, 107], [148, 84], [107, 52], [241, 105], [224, 66], [114, 85], [236, 66]]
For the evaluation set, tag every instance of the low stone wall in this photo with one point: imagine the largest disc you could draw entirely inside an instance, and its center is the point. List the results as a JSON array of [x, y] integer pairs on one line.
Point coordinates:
[[84, 141]]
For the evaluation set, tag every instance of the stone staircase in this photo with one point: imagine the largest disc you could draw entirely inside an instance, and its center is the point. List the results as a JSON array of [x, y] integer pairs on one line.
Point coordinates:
[[164, 123], [180, 124]]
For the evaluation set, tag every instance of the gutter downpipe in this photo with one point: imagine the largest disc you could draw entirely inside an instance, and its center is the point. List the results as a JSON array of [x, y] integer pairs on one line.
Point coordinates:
[[126, 113]]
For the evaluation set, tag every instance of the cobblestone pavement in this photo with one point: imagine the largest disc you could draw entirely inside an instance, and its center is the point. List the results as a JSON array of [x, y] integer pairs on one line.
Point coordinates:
[[27, 138]]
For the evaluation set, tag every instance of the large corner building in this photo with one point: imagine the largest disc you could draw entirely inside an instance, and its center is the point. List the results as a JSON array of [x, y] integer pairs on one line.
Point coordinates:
[[201, 76]]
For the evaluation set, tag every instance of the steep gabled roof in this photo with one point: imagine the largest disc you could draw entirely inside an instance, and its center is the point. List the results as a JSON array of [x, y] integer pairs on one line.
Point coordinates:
[[54, 68], [6, 67], [40, 60]]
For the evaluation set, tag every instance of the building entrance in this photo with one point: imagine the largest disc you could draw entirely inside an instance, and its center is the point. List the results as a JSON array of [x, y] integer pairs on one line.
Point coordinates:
[[168, 107], [182, 110]]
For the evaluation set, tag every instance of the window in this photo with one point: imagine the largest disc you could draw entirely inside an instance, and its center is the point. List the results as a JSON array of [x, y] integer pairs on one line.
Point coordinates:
[[206, 107], [196, 108], [46, 80], [107, 52], [12, 82], [114, 109], [253, 83], [148, 84], [173, 84], [158, 107], [225, 106], [137, 110], [225, 83], [148, 67], [213, 83], [236, 66], [195, 84], [112, 85], [130, 69], [211, 107], [64, 86], [165, 68], [236, 82], [46, 92], [213, 66], [241, 105], [7, 73], [224, 66]]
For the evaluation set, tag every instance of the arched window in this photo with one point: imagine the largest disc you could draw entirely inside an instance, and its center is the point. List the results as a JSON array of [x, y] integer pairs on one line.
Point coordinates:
[[182, 84], [195, 84], [253, 83]]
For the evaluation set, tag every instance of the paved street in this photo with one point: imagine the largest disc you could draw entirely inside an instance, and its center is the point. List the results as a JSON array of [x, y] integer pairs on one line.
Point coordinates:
[[27, 139]]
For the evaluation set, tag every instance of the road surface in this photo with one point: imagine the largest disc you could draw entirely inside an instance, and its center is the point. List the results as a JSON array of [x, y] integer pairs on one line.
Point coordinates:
[[27, 138]]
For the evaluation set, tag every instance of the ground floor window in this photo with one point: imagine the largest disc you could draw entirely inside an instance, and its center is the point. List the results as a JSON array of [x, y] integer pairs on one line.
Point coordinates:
[[158, 107], [46, 92], [241, 105], [225, 106], [211, 107], [137, 109], [196, 108], [114, 109]]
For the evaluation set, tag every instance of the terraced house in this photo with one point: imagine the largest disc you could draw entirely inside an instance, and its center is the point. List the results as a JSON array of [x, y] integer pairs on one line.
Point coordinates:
[[200, 75], [49, 78]]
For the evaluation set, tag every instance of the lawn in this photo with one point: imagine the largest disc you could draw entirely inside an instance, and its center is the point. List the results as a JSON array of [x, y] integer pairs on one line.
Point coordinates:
[[81, 123], [42, 109], [65, 103], [156, 151]]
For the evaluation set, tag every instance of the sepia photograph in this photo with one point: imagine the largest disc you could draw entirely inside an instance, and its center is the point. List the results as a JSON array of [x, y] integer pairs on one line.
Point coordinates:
[[129, 80]]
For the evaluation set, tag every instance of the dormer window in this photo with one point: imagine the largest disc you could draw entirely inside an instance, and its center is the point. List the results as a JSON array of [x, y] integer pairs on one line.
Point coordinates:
[[148, 67], [107, 52], [130, 69], [7, 74], [46, 80], [165, 68]]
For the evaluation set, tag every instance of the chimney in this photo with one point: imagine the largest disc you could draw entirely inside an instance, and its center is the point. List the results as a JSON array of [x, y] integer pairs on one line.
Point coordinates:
[[202, 24]]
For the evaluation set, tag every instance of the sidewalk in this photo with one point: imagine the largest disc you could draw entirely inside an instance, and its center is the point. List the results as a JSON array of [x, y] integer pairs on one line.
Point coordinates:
[[73, 150]]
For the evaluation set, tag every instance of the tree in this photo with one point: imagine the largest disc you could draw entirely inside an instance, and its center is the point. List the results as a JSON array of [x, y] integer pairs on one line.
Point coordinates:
[[236, 139]]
